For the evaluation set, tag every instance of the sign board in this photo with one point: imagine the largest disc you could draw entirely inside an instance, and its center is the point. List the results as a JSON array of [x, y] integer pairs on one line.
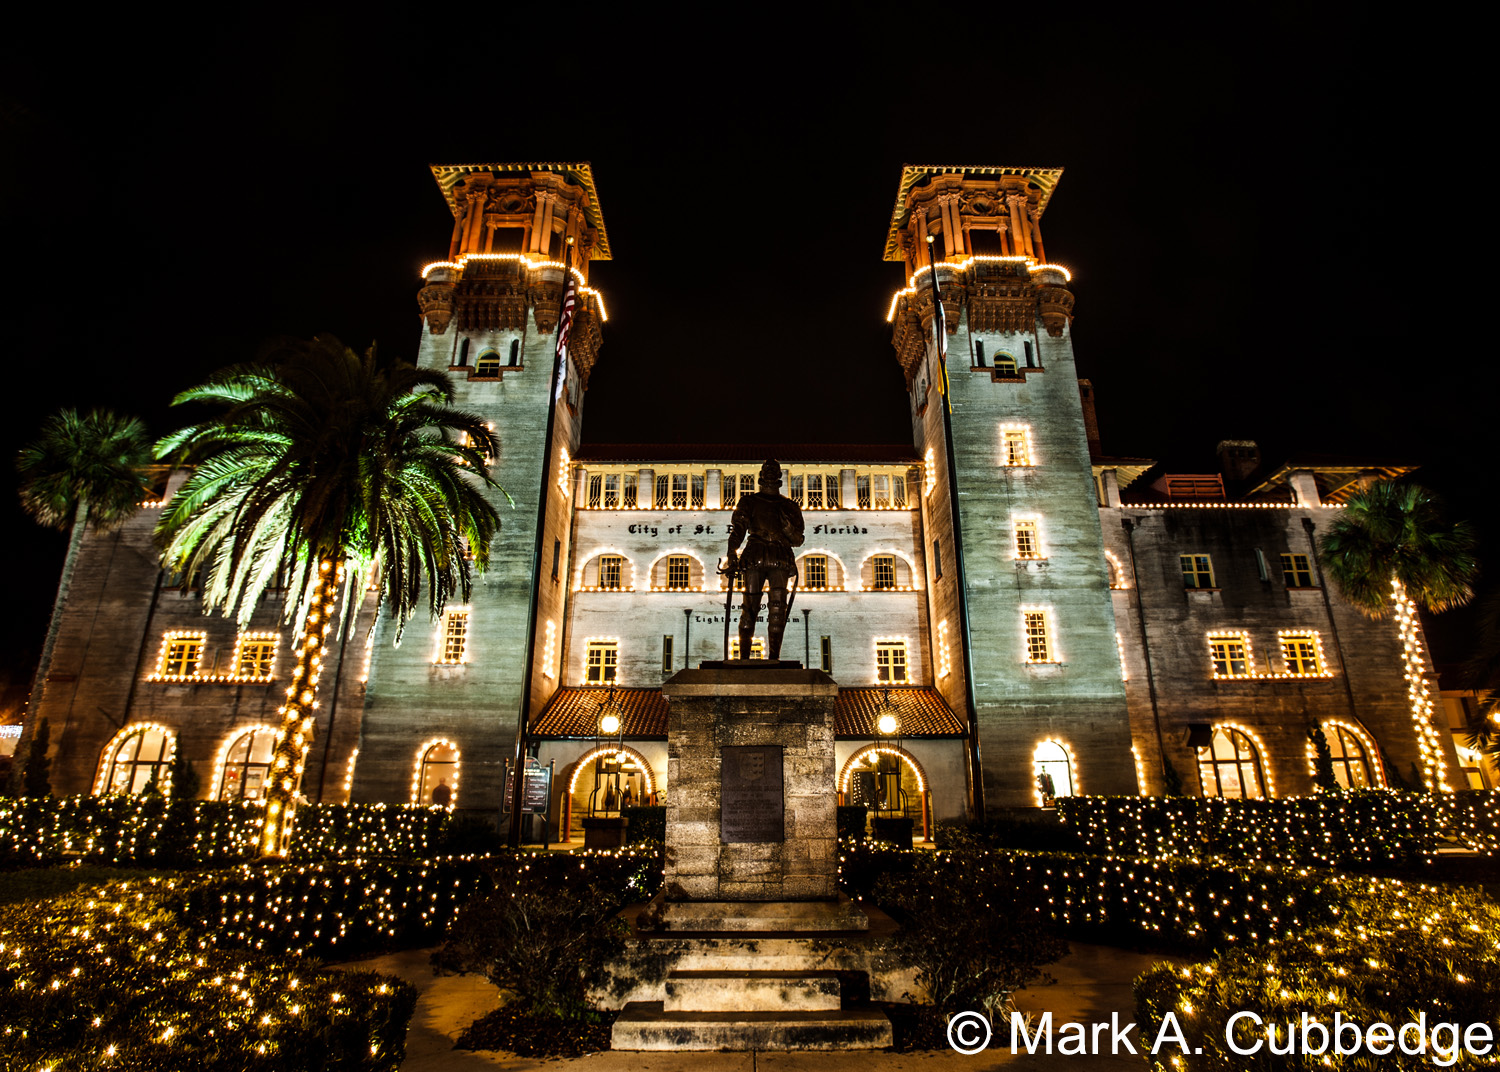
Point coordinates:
[[536, 791], [752, 806]]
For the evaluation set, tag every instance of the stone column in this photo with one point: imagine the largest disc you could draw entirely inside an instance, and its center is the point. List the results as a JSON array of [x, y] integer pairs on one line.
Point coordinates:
[[645, 491], [1036, 233], [848, 489], [713, 489], [1020, 240]]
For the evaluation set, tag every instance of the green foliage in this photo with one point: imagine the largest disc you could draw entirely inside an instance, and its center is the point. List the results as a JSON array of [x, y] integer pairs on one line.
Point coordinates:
[[1045, 833], [120, 978], [1396, 533], [973, 941], [94, 460], [36, 775], [850, 820], [319, 454], [549, 928], [1393, 950], [185, 783], [647, 823], [1323, 776]]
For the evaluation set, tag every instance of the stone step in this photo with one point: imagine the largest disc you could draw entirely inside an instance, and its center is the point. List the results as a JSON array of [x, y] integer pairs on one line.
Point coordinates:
[[752, 991], [716, 917], [646, 1025]]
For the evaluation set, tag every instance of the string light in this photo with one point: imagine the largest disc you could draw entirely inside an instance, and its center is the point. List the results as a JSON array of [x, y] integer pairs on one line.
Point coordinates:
[[179, 647], [349, 776], [891, 646], [1120, 648], [164, 768], [1118, 579], [1017, 451], [869, 752], [563, 465], [549, 651], [945, 657], [606, 752], [430, 745], [1226, 506], [963, 266], [530, 265], [1423, 715], [1036, 763]]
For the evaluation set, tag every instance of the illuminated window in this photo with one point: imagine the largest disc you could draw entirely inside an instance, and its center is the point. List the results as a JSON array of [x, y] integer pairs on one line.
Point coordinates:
[[596, 491], [1351, 762], [679, 491], [1300, 653], [699, 484], [1197, 571], [831, 492], [666, 654], [730, 490], [1028, 543], [1005, 365], [794, 488], [884, 567], [632, 480], [663, 492], [677, 572], [1038, 637], [137, 761], [890, 662], [602, 661], [488, 364], [898, 492], [255, 656], [815, 571], [757, 647], [1053, 771], [247, 766], [1296, 570], [862, 490], [1231, 654], [1015, 445], [610, 567], [882, 491], [180, 654], [437, 776], [1230, 767], [814, 495], [825, 649], [455, 636]]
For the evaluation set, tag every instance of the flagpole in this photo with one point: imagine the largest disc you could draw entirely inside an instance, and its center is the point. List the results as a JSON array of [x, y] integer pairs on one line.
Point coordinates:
[[523, 720], [976, 770]]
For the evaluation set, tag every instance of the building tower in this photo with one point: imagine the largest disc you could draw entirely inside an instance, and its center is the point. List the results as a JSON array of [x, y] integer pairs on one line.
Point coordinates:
[[489, 319], [1040, 623]]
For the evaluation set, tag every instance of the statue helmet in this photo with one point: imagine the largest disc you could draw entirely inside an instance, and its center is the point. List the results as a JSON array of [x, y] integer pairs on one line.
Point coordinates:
[[770, 473]]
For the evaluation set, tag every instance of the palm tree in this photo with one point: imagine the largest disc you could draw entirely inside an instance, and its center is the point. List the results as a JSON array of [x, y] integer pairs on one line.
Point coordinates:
[[328, 469], [1390, 549], [84, 472]]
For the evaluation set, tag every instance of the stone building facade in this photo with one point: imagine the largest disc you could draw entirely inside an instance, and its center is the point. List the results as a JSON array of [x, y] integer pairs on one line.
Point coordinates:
[[1037, 620]]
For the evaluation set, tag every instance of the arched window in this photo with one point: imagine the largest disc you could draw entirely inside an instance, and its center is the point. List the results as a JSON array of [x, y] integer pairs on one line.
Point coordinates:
[[1231, 766], [1352, 768], [488, 364], [515, 352], [436, 781], [1005, 365], [1053, 770], [247, 766], [134, 761], [463, 353]]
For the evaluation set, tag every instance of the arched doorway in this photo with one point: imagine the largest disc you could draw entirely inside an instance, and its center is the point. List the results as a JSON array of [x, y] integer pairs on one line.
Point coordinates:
[[434, 781], [135, 758], [880, 775], [604, 780]]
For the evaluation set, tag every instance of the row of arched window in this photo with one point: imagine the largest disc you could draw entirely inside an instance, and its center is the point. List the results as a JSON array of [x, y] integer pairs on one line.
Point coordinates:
[[683, 570]]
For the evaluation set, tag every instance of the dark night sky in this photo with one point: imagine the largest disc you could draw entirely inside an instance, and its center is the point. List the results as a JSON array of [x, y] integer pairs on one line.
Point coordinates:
[[1266, 221]]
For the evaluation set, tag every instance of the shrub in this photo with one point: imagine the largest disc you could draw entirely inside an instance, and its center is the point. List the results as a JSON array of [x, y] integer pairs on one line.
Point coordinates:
[[850, 820], [647, 823], [1046, 833]]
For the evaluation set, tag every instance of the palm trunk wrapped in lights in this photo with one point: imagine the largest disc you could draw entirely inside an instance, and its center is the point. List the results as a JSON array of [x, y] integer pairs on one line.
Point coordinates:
[[1414, 665], [294, 738]]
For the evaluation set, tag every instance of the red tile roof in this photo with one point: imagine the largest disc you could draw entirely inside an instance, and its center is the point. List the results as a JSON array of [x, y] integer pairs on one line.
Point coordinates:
[[575, 712]]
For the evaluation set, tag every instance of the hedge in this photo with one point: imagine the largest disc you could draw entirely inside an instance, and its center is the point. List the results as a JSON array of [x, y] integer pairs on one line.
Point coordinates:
[[1364, 827], [151, 830]]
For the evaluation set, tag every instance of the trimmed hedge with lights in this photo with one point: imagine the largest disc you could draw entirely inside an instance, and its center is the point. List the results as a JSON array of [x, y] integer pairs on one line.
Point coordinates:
[[155, 831], [1364, 827]]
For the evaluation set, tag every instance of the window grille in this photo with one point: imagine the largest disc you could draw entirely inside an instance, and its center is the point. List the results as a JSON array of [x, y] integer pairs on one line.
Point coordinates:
[[890, 662], [679, 491], [612, 491], [256, 658], [1197, 571], [596, 492], [1230, 766], [898, 492], [1038, 641], [1230, 654], [814, 491], [832, 492], [1300, 652], [629, 492], [677, 572], [825, 647], [1014, 448], [663, 491], [455, 636], [666, 654], [698, 484], [603, 660], [794, 489], [1296, 570], [885, 571], [731, 492], [862, 490], [1027, 545], [609, 571], [815, 571], [882, 491]]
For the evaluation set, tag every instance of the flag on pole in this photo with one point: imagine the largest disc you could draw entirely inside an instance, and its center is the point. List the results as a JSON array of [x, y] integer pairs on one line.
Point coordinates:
[[564, 328]]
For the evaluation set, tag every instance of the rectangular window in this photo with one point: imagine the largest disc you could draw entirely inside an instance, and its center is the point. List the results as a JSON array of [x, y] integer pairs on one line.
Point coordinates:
[[455, 637], [1231, 654], [677, 572], [666, 654], [663, 492], [730, 494], [180, 654], [631, 480], [937, 560], [757, 647], [862, 490], [1300, 652], [699, 481], [978, 354], [794, 488], [1197, 571], [1028, 543], [825, 647], [679, 491], [596, 491], [556, 557], [1296, 570], [255, 656], [885, 572], [882, 484], [1038, 637], [612, 491], [890, 662], [610, 569], [602, 660], [898, 492], [1015, 445], [815, 571], [814, 491], [831, 491]]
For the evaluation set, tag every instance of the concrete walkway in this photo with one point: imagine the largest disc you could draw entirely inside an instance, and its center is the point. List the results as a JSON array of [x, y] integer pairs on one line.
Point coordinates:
[[1092, 982]]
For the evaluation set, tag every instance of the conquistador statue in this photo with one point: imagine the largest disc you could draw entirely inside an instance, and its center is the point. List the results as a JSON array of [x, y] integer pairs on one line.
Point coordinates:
[[769, 525]]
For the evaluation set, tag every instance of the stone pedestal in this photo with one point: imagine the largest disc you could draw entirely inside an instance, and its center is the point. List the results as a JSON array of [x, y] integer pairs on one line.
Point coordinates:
[[728, 732], [749, 944]]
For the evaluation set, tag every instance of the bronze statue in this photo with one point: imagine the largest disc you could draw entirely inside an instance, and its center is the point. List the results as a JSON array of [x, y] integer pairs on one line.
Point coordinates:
[[773, 525]]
